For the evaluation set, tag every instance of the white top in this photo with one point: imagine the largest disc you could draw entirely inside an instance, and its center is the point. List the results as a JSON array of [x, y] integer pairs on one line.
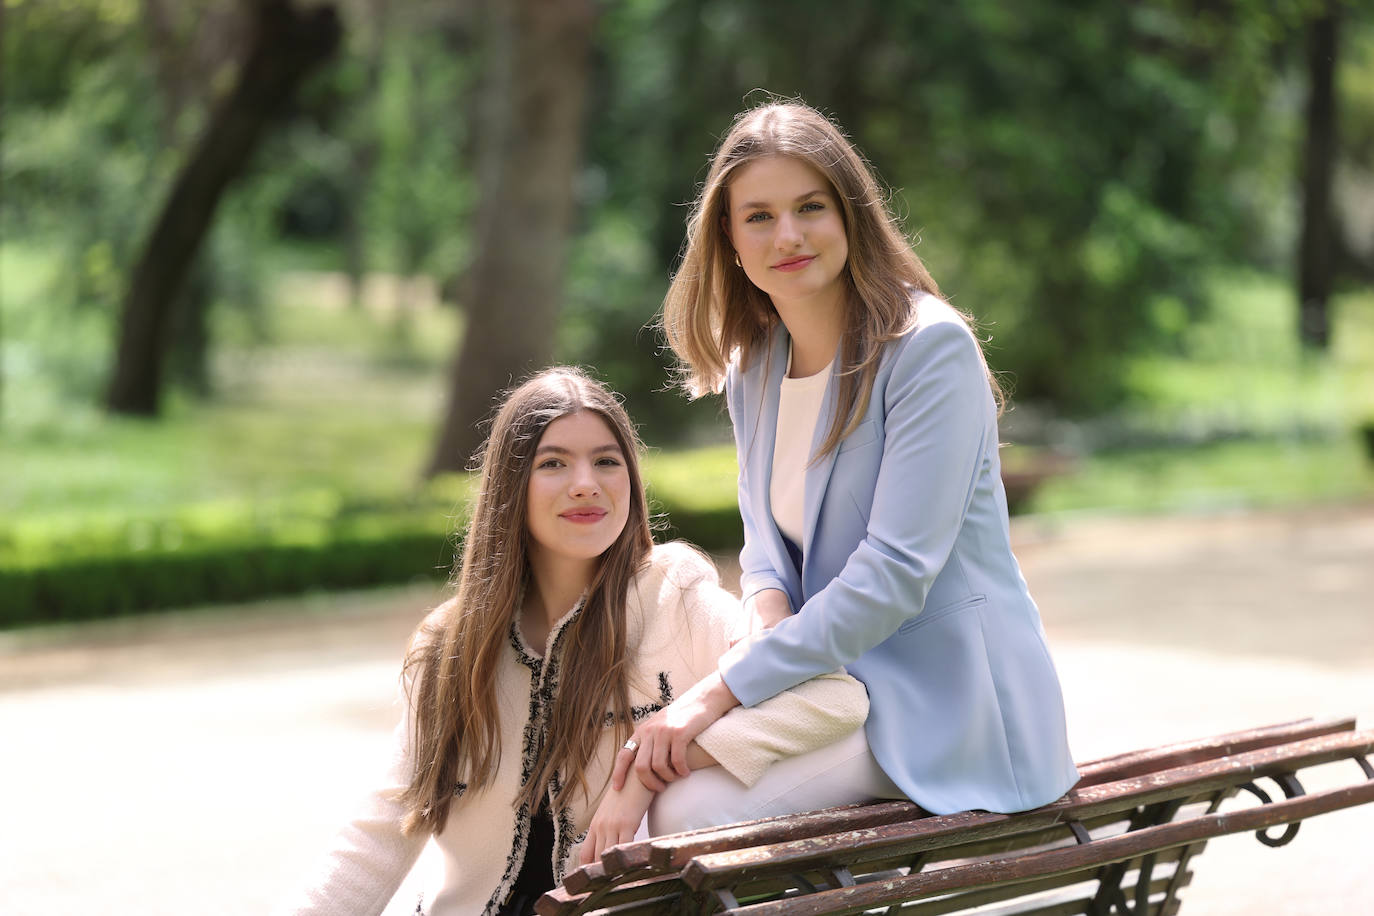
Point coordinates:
[[799, 407]]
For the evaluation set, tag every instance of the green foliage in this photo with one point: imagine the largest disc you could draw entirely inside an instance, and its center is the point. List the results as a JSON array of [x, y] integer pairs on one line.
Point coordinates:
[[1074, 175], [692, 496], [1238, 416], [1243, 372], [1356, 77], [176, 513], [698, 479], [1072, 171], [608, 323], [89, 157], [1095, 175], [49, 43], [300, 476], [419, 196], [303, 477], [1218, 476]]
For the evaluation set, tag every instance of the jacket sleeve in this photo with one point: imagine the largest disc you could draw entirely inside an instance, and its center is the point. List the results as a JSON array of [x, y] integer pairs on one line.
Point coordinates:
[[746, 741], [370, 857], [756, 570], [749, 739], [938, 408]]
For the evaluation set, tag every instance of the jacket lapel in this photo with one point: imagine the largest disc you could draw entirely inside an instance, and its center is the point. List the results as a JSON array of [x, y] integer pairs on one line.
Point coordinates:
[[765, 434], [818, 473]]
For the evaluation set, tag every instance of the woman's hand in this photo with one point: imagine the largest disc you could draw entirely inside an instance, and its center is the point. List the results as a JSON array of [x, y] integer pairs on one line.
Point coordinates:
[[617, 818], [662, 741], [766, 609]]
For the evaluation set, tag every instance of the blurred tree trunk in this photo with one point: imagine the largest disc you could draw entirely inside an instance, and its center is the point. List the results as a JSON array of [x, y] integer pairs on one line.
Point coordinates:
[[1316, 255], [188, 353], [531, 130], [192, 44], [287, 43]]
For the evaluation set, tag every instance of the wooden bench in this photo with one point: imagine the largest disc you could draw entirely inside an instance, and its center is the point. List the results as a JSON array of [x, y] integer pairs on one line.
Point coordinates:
[[1122, 841]]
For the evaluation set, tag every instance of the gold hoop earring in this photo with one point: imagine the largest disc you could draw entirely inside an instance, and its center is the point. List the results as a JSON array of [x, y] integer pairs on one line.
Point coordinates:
[[737, 263]]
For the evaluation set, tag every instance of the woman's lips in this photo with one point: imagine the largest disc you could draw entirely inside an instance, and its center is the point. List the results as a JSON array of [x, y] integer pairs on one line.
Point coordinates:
[[792, 264], [584, 516]]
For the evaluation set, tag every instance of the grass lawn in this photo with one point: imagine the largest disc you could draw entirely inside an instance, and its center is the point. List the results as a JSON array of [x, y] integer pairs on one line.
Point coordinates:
[[1216, 477], [1243, 370], [1254, 420]]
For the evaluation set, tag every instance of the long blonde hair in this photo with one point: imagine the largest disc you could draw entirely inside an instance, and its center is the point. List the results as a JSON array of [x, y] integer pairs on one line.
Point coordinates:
[[713, 312], [451, 670]]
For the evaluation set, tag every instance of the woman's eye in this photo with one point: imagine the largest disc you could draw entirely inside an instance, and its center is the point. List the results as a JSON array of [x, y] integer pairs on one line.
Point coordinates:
[[609, 462], [550, 463], [811, 206], [756, 217]]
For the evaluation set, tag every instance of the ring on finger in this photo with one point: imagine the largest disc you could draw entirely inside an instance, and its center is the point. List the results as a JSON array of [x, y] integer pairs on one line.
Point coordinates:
[[632, 745]]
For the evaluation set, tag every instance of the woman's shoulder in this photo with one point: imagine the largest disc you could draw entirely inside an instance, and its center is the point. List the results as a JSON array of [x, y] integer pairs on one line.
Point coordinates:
[[676, 572], [435, 621], [675, 585], [937, 326], [935, 315], [678, 601], [427, 636], [680, 565]]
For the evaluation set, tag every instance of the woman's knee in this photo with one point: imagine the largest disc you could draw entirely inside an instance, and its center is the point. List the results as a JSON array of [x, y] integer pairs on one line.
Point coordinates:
[[707, 798], [838, 774]]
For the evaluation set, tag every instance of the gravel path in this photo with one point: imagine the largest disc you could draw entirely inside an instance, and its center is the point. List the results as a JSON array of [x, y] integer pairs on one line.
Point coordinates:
[[198, 762]]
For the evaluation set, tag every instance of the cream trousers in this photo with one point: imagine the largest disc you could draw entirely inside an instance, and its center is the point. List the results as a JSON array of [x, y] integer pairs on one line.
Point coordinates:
[[838, 774]]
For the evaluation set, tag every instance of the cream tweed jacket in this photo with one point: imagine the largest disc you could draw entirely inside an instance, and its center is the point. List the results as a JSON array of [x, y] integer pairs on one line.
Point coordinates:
[[680, 624]]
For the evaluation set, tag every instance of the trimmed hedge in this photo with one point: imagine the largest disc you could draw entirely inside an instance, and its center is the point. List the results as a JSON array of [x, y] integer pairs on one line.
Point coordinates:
[[90, 587], [710, 529], [85, 569]]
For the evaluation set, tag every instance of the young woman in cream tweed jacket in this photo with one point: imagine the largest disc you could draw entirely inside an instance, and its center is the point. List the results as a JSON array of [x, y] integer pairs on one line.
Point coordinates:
[[681, 623], [677, 623]]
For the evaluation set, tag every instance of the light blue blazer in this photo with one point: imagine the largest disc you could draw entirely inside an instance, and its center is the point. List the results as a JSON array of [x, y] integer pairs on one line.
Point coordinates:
[[907, 577]]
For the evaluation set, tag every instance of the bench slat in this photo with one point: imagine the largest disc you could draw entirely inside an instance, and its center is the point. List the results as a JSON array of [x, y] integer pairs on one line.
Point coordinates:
[[1070, 902], [1164, 869], [560, 901], [661, 854], [1136, 763], [674, 851]]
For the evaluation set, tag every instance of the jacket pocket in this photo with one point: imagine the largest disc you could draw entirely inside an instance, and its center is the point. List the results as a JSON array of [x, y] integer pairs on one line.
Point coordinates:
[[925, 617]]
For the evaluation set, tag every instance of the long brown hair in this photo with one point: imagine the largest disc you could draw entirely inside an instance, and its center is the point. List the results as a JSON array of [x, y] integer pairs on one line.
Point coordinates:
[[712, 310], [451, 670]]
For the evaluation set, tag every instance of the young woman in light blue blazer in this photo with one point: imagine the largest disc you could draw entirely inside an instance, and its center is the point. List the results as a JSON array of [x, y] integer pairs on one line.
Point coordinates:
[[875, 521]]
